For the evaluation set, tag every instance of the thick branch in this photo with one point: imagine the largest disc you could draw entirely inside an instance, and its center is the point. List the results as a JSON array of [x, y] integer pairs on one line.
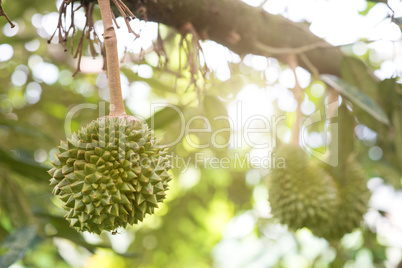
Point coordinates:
[[245, 29], [112, 60]]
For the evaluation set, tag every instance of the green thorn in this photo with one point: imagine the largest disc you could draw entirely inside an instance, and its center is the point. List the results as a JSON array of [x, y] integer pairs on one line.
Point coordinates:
[[52, 171], [143, 179], [79, 165], [70, 202], [65, 197], [93, 159], [127, 187], [89, 168], [152, 201], [142, 207], [53, 182], [67, 169], [106, 155], [131, 175], [63, 156], [66, 189], [73, 152], [139, 198], [108, 165], [137, 170], [58, 174], [83, 217], [124, 200], [87, 188], [75, 223], [86, 199], [115, 210], [116, 197], [77, 186], [79, 205], [89, 208], [100, 162], [123, 211], [155, 179], [99, 151]]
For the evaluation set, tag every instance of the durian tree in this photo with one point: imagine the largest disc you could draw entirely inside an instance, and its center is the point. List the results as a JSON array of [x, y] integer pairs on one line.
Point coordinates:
[[111, 172]]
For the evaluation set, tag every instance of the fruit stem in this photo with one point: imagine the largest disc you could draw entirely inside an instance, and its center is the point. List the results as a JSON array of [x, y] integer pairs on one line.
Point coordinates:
[[112, 60], [298, 92]]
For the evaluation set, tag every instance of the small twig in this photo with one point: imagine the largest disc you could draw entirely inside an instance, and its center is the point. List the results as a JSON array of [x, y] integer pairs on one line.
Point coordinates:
[[79, 52], [115, 21], [192, 54], [88, 32], [127, 15], [159, 49], [268, 50], [392, 12], [3, 13], [314, 70], [295, 50], [298, 92]]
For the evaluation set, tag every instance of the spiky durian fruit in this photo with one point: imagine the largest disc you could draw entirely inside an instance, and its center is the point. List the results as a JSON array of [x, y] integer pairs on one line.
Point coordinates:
[[110, 173], [353, 196], [301, 193]]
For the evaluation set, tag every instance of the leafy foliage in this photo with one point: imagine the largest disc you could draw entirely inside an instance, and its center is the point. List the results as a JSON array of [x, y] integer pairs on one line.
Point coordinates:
[[211, 214]]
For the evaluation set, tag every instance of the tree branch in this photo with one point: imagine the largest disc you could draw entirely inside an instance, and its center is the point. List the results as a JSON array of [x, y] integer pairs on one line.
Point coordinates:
[[246, 29]]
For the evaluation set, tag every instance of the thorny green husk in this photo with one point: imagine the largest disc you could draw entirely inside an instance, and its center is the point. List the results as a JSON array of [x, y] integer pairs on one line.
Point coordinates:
[[304, 194], [110, 173]]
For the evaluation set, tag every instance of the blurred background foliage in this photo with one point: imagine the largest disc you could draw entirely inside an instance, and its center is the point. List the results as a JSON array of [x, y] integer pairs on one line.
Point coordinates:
[[213, 217]]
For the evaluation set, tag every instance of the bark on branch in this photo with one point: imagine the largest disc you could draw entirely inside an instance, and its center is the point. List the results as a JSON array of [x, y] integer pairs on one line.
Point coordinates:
[[246, 29]]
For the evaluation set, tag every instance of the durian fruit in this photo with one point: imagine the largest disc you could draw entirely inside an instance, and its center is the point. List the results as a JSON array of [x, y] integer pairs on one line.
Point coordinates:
[[110, 173], [301, 193], [353, 197]]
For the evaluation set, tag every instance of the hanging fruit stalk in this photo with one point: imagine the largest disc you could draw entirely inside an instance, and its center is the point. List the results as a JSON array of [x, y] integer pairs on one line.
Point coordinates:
[[112, 60], [298, 92], [306, 193], [112, 172]]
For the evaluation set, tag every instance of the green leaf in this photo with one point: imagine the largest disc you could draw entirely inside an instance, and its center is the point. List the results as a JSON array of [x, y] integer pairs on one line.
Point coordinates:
[[388, 171], [3, 233], [23, 128], [164, 117], [217, 114], [356, 96], [26, 168], [16, 244], [397, 123], [65, 231], [390, 96], [357, 73], [155, 83], [370, 4]]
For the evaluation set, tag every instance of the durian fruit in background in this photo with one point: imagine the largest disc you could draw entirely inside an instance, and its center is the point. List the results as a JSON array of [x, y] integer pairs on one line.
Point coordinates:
[[301, 194], [353, 196], [110, 173]]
